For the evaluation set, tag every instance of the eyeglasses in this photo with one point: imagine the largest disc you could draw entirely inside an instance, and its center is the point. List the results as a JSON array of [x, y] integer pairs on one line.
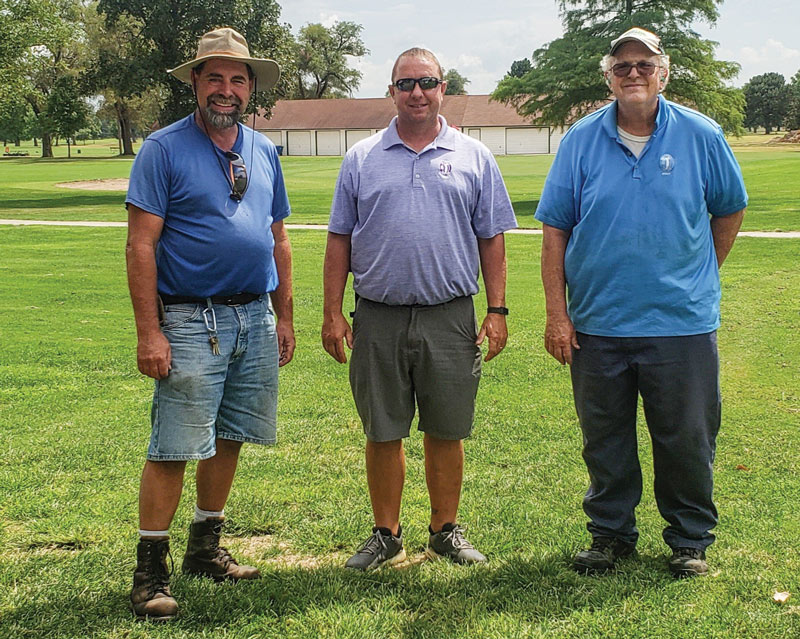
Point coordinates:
[[623, 69], [426, 84], [238, 175]]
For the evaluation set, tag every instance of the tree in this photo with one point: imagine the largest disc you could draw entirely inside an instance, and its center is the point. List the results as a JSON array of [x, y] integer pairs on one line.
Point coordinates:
[[44, 43], [115, 70], [767, 99], [16, 121], [66, 109], [519, 68], [321, 53], [792, 121], [171, 28], [456, 83], [565, 82]]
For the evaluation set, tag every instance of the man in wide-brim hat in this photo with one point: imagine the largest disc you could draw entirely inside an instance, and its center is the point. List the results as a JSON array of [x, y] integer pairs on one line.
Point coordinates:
[[206, 244]]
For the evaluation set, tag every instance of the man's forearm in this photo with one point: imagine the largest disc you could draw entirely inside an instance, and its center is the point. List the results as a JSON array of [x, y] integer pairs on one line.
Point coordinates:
[[493, 266], [554, 247], [335, 272], [723, 231], [142, 283], [282, 297]]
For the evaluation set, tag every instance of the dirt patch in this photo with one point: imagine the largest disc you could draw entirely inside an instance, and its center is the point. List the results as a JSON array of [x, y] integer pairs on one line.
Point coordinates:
[[109, 184], [793, 137], [267, 544]]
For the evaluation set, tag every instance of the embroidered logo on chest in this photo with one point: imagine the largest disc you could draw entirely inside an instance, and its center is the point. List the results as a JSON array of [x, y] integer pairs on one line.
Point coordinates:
[[666, 162], [445, 169]]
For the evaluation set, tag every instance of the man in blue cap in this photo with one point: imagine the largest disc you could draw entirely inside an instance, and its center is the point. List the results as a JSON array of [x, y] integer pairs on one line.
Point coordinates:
[[640, 208]]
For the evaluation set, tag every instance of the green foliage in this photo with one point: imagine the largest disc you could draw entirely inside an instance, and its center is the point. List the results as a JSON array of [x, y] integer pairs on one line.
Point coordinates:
[[565, 81], [323, 69], [169, 30], [767, 98], [66, 108], [16, 120], [456, 83], [519, 68], [793, 110]]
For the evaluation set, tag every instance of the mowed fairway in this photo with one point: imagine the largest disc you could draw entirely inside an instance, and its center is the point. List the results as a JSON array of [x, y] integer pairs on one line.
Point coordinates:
[[28, 191], [75, 420]]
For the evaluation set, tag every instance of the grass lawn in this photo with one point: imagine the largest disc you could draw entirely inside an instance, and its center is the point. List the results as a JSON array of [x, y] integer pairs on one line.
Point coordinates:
[[75, 414], [27, 188]]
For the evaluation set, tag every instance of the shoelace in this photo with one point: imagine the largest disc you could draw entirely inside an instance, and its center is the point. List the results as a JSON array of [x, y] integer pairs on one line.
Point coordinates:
[[374, 543], [221, 552], [160, 582], [457, 539]]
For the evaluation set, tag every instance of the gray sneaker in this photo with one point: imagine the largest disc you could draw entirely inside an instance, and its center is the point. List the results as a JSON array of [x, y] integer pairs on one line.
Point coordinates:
[[451, 543], [378, 550]]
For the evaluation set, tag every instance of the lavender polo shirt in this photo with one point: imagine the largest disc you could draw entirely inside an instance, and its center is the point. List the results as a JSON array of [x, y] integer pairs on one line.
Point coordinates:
[[414, 218]]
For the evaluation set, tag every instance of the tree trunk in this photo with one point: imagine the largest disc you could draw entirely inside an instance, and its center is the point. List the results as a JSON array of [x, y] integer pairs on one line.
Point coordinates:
[[124, 124], [69, 149], [47, 147], [35, 143], [17, 142]]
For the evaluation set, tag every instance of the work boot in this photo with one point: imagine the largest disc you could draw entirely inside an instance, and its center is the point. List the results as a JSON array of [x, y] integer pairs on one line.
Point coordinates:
[[381, 548], [150, 596], [450, 542], [602, 555], [205, 557], [688, 562]]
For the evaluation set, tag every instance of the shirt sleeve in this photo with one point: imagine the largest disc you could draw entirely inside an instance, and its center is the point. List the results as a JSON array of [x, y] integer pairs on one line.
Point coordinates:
[[494, 212], [344, 209], [725, 190], [558, 205], [149, 181], [280, 199]]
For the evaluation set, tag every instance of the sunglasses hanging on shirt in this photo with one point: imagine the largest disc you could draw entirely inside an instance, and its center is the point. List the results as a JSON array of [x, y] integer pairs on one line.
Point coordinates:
[[237, 174]]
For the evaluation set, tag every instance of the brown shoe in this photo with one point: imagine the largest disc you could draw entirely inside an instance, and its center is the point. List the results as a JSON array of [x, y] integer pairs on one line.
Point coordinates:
[[205, 557], [150, 596]]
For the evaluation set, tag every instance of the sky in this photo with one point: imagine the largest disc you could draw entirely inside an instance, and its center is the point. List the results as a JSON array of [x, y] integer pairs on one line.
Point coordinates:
[[481, 39]]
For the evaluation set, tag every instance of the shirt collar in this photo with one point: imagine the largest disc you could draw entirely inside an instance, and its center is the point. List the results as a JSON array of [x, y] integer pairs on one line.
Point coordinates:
[[610, 117], [445, 139]]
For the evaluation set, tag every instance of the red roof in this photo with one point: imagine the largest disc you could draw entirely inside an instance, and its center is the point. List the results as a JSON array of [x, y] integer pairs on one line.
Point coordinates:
[[375, 113]]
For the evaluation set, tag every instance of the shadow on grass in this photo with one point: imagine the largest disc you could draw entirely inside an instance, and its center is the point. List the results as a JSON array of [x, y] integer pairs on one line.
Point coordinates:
[[414, 602], [49, 200]]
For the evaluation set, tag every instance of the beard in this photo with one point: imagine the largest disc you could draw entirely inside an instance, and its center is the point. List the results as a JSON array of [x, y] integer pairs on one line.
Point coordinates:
[[220, 120]]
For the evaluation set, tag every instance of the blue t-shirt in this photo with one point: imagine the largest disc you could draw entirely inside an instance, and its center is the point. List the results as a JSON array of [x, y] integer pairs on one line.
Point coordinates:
[[414, 218], [640, 261], [210, 244]]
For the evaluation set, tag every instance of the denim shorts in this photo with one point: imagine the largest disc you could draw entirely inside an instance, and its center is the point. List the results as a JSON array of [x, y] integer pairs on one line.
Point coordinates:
[[205, 397], [423, 355]]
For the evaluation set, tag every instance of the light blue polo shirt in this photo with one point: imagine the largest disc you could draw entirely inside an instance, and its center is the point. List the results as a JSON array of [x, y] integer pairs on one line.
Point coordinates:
[[414, 218], [210, 244], [640, 261]]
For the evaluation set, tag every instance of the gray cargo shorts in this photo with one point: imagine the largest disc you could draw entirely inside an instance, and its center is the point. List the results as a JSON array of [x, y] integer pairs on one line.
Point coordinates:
[[415, 355]]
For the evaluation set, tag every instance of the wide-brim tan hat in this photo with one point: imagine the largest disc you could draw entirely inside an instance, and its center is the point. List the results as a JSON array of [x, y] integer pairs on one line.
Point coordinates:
[[637, 34], [227, 44]]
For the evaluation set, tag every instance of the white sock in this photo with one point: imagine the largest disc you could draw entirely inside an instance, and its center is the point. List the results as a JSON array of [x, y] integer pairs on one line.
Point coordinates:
[[202, 515], [148, 534]]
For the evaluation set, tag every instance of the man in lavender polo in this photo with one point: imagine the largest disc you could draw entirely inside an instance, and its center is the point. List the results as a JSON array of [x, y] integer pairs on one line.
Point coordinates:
[[418, 206]]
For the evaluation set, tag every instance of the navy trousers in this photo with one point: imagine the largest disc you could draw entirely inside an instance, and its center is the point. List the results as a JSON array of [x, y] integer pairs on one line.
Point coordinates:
[[678, 379]]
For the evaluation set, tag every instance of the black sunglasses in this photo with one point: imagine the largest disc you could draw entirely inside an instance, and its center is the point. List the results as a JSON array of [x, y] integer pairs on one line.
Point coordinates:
[[623, 69], [238, 175], [426, 84]]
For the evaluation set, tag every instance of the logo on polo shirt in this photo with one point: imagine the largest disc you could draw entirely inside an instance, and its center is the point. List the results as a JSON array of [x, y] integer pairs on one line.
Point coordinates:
[[445, 169], [667, 163]]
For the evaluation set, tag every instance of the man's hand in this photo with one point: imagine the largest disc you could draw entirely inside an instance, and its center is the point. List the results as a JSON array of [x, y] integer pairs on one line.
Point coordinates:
[[494, 327], [154, 355], [334, 329], [560, 338], [286, 342]]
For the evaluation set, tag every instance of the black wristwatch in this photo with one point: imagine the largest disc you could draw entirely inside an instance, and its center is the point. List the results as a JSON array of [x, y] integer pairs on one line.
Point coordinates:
[[500, 310]]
